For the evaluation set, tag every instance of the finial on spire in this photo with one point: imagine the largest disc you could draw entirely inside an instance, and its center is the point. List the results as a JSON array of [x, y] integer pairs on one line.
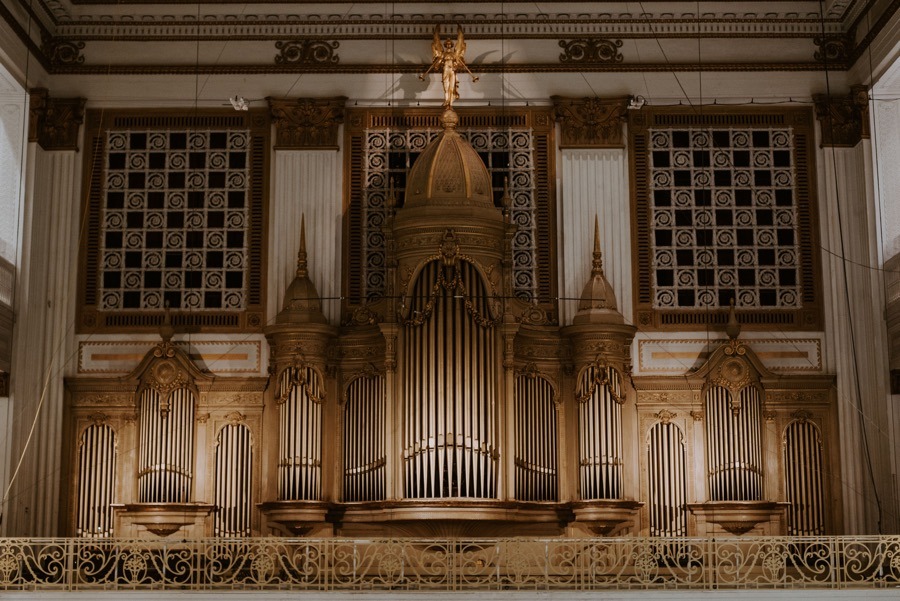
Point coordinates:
[[597, 263], [302, 268], [733, 327]]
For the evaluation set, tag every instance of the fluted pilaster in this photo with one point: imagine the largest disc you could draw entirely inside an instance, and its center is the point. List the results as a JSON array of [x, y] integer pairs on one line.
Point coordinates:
[[866, 423], [594, 182], [307, 182], [44, 346]]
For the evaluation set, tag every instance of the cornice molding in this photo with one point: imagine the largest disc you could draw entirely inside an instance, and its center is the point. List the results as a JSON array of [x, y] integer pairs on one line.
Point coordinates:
[[590, 122], [305, 123], [53, 122], [242, 69], [844, 120], [405, 27]]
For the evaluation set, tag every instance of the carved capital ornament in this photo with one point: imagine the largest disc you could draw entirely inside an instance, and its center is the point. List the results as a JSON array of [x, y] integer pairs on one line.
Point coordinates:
[[844, 120], [590, 122], [302, 123], [54, 122]]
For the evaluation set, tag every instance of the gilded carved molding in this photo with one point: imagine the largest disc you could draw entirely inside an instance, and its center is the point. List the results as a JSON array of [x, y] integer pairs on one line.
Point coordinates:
[[307, 122], [590, 122], [590, 50], [844, 120], [54, 122]]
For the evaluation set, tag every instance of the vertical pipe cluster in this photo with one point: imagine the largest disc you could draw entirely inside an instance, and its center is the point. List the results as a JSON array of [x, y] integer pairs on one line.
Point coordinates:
[[300, 423], [734, 445], [96, 482], [364, 440], [449, 368], [666, 465], [600, 433], [234, 464], [536, 440], [166, 447], [803, 479]]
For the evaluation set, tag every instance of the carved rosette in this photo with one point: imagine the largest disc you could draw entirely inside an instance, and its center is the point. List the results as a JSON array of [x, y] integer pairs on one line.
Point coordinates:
[[844, 121], [302, 123], [54, 122], [591, 122]]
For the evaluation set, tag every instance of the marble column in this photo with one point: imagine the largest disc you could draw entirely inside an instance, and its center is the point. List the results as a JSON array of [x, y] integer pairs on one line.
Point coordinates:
[[856, 338], [593, 181], [307, 181], [44, 347]]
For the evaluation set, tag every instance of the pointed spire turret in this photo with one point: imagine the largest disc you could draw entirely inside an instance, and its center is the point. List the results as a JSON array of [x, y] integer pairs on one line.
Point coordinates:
[[301, 300], [598, 300]]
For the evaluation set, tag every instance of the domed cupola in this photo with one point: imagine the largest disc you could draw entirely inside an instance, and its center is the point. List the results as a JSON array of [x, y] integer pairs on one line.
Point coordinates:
[[449, 172]]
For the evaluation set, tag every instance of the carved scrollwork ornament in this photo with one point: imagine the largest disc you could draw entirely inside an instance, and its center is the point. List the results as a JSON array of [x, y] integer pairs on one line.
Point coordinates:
[[591, 51], [844, 120], [61, 52], [665, 416], [54, 122], [307, 52], [235, 417], [98, 419], [834, 49], [802, 415]]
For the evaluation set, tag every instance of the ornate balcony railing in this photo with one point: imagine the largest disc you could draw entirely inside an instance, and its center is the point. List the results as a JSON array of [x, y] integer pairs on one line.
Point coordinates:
[[450, 565]]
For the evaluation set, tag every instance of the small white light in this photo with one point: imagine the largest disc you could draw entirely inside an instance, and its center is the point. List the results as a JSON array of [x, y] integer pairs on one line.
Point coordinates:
[[636, 102], [239, 103]]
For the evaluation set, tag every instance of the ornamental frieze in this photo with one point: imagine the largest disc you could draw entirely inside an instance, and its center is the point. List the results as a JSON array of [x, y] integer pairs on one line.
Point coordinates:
[[54, 122], [302, 123]]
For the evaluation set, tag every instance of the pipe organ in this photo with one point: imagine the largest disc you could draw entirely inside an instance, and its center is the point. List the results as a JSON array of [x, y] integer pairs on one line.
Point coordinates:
[[300, 435], [537, 439], [450, 403], [449, 385], [96, 490], [234, 481], [166, 458], [734, 449], [600, 433], [365, 448]]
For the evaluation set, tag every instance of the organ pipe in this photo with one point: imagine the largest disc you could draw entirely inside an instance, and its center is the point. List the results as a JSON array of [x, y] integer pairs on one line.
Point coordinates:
[[96, 482], [364, 440], [734, 446], [234, 466], [536, 440], [300, 422], [803, 479], [166, 447], [449, 382], [600, 433], [667, 478]]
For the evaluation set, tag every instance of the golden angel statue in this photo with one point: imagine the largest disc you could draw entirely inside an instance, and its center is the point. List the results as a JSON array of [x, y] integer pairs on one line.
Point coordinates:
[[450, 58]]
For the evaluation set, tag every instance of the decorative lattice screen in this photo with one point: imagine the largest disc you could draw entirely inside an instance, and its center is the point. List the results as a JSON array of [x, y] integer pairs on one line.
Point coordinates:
[[723, 207], [175, 219]]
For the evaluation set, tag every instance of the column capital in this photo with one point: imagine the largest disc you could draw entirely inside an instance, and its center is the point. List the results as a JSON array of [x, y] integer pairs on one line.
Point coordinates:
[[54, 122], [307, 123], [591, 122], [844, 119]]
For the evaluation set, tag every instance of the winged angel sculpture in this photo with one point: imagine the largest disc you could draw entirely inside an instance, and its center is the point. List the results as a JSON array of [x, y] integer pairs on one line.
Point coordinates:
[[450, 59]]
